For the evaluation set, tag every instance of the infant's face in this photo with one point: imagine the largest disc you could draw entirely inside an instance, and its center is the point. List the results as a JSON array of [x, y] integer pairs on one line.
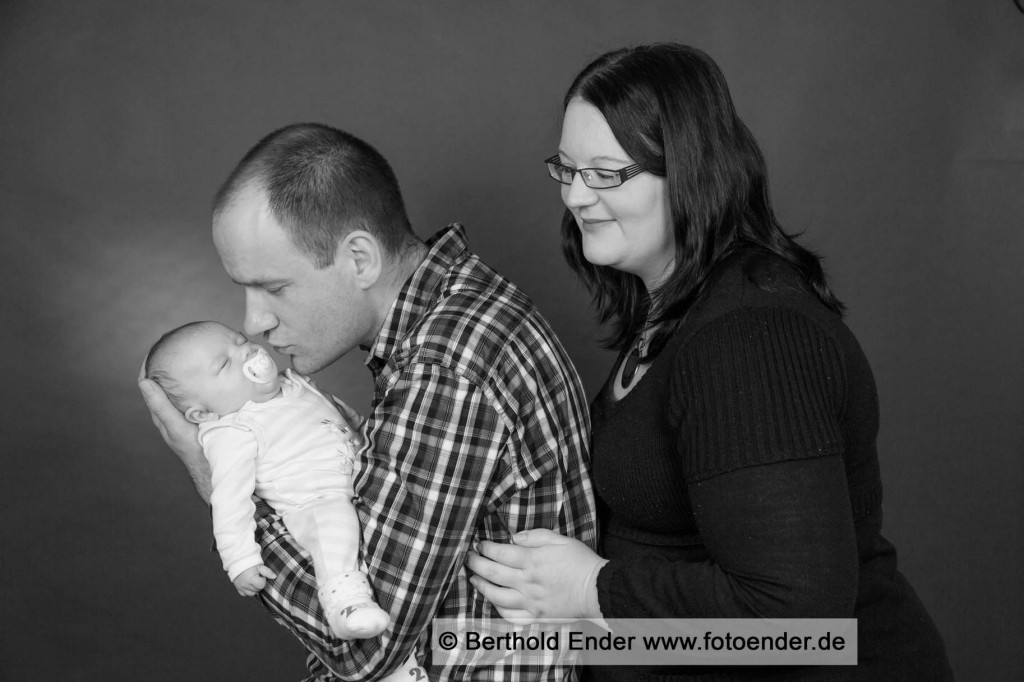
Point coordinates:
[[210, 370]]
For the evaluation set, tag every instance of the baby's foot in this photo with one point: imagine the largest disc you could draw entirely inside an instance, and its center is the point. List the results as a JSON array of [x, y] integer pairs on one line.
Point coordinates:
[[348, 604], [358, 621]]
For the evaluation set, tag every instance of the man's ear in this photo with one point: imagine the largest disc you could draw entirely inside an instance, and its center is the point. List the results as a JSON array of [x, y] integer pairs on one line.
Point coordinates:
[[365, 255], [198, 415]]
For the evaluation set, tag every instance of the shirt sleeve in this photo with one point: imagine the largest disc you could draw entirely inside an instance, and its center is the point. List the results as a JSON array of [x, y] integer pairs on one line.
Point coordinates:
[[433, 440], [232, 452], [756, 401]]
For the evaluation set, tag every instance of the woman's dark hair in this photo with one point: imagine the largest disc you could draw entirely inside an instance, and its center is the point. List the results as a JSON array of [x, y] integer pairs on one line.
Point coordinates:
[[669, 107]]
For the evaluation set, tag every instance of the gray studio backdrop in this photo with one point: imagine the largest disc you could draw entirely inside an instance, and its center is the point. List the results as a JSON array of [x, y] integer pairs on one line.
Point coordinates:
[[895, 138]]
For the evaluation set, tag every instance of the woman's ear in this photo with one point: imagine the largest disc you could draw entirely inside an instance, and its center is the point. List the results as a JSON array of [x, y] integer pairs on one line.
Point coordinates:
[[365, 255], [198, 415]]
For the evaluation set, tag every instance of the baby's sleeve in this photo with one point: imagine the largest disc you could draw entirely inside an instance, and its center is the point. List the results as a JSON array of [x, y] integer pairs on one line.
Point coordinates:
[[231, 451]]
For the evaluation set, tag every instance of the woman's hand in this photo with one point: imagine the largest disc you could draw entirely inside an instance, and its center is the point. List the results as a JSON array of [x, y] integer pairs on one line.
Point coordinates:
[[180, 434], [543, 575]]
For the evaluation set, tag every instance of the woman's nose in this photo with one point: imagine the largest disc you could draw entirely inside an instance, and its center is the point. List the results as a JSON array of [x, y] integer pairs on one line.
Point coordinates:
[[577, 194]]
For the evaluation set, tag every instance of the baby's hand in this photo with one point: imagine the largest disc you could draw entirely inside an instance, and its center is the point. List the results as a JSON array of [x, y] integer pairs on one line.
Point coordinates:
[[252, 580], [354, 419]]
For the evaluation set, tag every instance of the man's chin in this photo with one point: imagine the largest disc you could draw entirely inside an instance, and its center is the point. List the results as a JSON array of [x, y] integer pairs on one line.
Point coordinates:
[[305, 365]]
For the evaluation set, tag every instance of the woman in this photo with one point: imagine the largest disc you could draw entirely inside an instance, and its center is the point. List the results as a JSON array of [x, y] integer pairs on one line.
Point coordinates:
[[734, 442]]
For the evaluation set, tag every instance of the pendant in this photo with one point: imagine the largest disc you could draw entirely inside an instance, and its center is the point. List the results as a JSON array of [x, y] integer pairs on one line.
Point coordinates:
[[629, 367]]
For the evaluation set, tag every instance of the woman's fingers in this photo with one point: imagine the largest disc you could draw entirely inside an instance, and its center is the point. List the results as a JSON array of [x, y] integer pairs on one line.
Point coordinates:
[[493, 565], [508, 555], [538, 537], [517, 616], [502, 597]]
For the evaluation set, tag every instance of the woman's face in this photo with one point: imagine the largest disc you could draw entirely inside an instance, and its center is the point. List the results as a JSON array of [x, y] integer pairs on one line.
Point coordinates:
[[626, 227]]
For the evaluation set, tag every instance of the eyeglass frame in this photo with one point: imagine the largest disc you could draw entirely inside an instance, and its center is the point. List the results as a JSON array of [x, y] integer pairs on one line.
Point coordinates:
[[623, 174]]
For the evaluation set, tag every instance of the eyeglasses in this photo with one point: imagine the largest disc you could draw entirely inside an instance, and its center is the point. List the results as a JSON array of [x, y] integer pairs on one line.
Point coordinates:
[[594, 178]]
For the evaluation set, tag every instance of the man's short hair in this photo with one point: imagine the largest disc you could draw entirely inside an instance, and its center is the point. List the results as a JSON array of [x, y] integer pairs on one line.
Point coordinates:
[[321, 183]]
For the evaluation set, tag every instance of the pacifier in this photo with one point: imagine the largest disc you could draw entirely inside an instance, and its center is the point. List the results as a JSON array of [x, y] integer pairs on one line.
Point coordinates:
[[260, 368]]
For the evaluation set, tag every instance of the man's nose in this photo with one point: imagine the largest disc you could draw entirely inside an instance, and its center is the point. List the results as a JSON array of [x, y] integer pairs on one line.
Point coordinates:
[[577, 194], [259, 319]]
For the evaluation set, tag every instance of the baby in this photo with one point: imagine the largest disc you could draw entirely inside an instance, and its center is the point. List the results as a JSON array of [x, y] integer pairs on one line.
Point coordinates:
[[279, 437]]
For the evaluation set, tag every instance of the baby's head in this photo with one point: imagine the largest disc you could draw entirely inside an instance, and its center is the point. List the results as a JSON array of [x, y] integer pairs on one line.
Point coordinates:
[[208, 370]]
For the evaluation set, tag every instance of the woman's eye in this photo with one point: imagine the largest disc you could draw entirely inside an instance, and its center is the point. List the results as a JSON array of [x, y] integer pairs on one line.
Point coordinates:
[[602, 174]]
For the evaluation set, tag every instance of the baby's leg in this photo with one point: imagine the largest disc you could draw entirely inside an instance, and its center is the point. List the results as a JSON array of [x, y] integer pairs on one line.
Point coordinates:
[[328, 529]]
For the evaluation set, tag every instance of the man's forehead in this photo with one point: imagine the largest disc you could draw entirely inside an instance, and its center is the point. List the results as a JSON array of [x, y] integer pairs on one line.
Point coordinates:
[[242, 217], [253, 246]]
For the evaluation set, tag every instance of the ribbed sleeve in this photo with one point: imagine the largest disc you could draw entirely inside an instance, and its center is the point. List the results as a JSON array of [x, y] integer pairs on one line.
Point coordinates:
[[755, 386]]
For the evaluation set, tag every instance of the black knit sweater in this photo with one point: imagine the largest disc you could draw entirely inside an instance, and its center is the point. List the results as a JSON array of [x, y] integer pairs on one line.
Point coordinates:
[[739, 479]]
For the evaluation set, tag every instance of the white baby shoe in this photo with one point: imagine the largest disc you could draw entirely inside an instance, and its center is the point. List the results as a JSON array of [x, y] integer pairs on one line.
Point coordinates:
[[348, 603]]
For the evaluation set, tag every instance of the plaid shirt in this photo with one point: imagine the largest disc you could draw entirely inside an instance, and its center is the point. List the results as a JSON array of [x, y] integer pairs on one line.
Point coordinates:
[[479, 428]]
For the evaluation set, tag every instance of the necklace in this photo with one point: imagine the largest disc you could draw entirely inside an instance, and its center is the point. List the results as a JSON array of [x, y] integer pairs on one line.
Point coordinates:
[[633, 361]]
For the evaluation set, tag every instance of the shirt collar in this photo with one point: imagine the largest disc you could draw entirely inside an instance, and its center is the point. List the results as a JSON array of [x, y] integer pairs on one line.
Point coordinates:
[[421, 291]]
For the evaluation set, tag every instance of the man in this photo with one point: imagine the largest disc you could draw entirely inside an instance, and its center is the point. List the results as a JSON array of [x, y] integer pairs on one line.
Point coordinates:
[[478, 426]]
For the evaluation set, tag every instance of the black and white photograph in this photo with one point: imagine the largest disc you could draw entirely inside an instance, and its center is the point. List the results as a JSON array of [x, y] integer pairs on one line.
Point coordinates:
[[597, 340]]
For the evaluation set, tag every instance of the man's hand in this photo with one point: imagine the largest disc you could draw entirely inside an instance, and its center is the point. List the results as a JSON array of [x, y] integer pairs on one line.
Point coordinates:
[[179, 434], [252, 580]]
